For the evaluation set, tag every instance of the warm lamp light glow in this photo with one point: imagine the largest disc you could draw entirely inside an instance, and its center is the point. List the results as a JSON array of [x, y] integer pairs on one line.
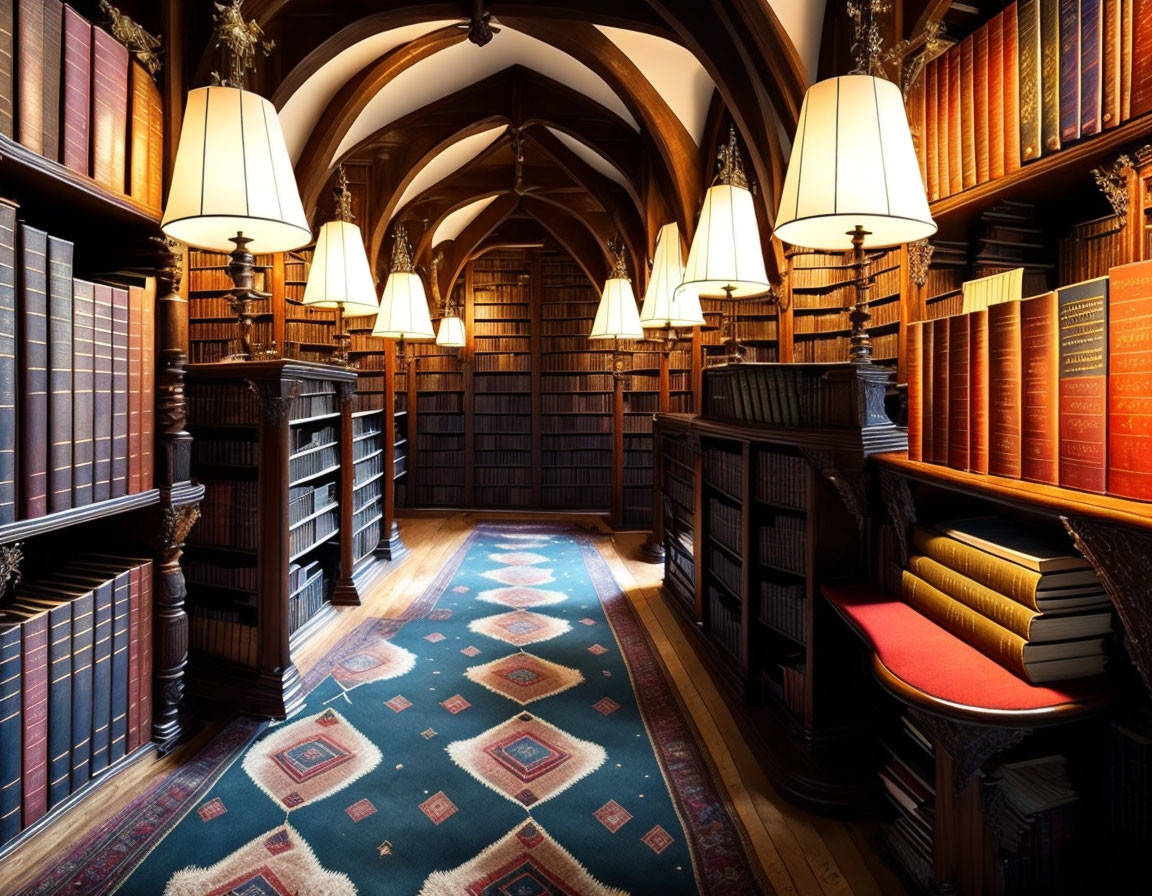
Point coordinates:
[[664, 307], [340, 274], [451, 333], [233, 174], [853, 163], [617, 316], [404, 309], [726, 251]]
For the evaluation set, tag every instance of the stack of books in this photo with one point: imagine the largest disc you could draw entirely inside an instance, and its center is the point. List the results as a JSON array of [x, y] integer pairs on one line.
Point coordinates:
[[909, 780], [1032, 607]]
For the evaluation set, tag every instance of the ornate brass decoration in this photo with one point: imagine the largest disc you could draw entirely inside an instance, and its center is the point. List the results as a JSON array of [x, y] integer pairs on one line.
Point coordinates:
[[241, 39], [175, 524], [144, 46], [730, 164], [932, 46], [11, 556], [970, 746], [867, 40], [1113, 183], [920, 260]]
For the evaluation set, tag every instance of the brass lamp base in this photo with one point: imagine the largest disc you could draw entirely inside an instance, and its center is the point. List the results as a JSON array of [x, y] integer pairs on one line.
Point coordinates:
[[860, 344]]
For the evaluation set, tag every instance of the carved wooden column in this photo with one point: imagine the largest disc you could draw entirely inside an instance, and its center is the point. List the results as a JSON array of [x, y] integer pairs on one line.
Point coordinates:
[[179, 501], [345, 593]]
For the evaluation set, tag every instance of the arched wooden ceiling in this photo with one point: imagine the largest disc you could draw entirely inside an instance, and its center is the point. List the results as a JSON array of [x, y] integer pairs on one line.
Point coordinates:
[[384, 84]]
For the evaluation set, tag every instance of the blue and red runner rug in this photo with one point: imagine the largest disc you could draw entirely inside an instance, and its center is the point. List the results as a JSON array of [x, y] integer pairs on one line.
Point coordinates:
[[513, 735]]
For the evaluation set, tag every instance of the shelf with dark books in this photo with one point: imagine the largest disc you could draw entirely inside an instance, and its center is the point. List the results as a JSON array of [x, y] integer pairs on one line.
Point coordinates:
[[308, 332], [440, 426], [213, 331]]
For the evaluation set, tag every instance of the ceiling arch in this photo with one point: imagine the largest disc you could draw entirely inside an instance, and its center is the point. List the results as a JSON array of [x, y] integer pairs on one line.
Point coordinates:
[[454, 223]]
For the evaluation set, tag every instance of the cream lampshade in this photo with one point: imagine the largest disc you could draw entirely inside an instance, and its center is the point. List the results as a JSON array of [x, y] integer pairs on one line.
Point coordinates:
[[664, 307], [340, 275], [403, 304], [233, 174], [451, 333], [853, 164], [617, 316]]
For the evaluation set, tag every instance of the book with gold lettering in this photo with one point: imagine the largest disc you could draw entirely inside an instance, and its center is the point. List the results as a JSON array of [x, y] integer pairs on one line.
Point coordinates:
[[1040, 367], [1084, 385], [1130, 381], [1004, 390], [978, 391], [1050, 59], [997, 123]]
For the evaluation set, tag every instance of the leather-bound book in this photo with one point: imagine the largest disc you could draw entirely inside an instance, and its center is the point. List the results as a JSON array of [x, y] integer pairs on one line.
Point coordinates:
[[136, 396], [915, 365], [7, 107], [102, 402], [943, 121], [1028, 40], [121, 359], [1040, 368], [940, 390], [83, 389], [968, 168], [148, 384], [994, 111], [1141, 57], [1011, 117], [1109, 64], [1050, 58], [75, 149], [958, 383], [83, 645], [34, 804], [927, 393], [134, 610], [1091, 67], [955, 125], [11, 728], [981, 141], [118, 743], [53, 55], [1069, 71], [1130, 381], [917, 117], [30, 73], [60, 383], [1084, 385], [146, 614], [140, 128], [8, 364], [33, 319], [109, 110], [101, 676], [155, 195], [1004, 389], [978, 391], [932, 129], [1127, 42]]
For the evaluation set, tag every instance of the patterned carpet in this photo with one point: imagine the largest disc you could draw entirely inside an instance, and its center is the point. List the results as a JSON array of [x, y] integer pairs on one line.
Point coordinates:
[[514, 735]]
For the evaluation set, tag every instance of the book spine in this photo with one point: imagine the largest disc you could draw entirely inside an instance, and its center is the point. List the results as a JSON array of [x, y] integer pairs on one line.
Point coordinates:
[[999, 608], [35, 707], [915, 369], [77, 88], [1069, 70], [1039, 365], [109, 110], [981, 136], [940, 391], [958, 382], [136, 397], [8, 363], [1127, 43], [1130, 381], [1030, 78], [83, 390], [30, 73], [955, 127], [11, 730], [1110, 42], [59, 703], [101, 677], [148, 385], [140, 133], [53, 46], [1050, 59], [102, 400], [1141, 59], [968, 167], [33, 320], [943, 122], [7, 92], [121, 605], [1004, 390], [155, 197], [932, 129], [121, 358], [978, 391], [1091, 67], [60, 253], [134, 611], [146, 632], [928, 392], [83, 644], [997, 120], [1083, 390]]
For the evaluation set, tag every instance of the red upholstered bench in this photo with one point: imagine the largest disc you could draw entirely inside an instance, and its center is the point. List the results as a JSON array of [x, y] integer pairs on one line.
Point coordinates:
[[927, 666]]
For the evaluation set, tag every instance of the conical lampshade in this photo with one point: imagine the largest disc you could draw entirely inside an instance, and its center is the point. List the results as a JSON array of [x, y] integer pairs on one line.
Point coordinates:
[[404, 309], [726, 251], [451, 333], [340, 274], [233, 174], [617, 317], [853, 163], [663, 306]]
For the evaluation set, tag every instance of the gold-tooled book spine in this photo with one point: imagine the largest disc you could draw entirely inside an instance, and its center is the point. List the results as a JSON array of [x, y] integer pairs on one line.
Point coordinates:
[[1002, 576]]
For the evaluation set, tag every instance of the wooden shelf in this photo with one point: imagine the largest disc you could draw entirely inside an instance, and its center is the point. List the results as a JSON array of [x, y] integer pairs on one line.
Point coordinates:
[[22, 529]]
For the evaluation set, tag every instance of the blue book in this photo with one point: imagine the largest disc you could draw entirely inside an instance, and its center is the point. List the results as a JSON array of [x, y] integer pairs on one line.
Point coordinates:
[[11, 729], [120, 647], [83, 629], [101, 677]]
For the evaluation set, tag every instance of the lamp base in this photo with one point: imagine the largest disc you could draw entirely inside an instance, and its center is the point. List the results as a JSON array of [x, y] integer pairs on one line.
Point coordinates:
[[242, 269], [860, 344]]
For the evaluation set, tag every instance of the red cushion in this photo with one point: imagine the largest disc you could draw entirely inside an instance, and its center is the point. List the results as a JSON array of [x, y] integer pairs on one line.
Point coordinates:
[[932, 660]]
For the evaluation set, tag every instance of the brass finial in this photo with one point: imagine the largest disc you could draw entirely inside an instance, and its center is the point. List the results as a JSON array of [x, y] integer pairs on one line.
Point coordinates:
[[343, 197], [867, 41], [144, 46], [619, 265], [401, 257], [241, 39], [730, 164]]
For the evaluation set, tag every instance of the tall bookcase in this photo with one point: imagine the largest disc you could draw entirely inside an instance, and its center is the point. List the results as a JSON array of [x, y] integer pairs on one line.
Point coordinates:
[[438, 374]]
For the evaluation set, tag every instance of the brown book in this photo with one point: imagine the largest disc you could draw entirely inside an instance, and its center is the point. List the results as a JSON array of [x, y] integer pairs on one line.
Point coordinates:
[[955, 126], [958, 383], [978, 391], [1049, 76], [30, 73], [940, 390], [155, 197], [1040, 368], [932, 129], [1141, 58], [916, 119], [1004, 390], [1130, 381], [927, 392], [1127, 26], [915, 348], [53, 55], [981, 141], [7, 68], [994, 111], [135, 384], [109, 110], [968, 89], [148, 384], [943, 122], [1110, 63], [1028, 67], [140, 131], [1012, 117], [77, 92]]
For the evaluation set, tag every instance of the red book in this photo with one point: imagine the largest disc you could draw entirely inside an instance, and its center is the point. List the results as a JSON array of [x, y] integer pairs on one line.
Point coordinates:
[[1040, 367], [958, 406], [140, 132], [1084, 385], [148, 385], [995, 108], [155, 148], [35, 711], [982, 144], [932, 129], [109, 121], [978, 391], [77, 90], [1141, 58], [1110, 42], [968, 88], [136, 397], [1130, 381], [1004, 389], [1011, 116], [1127, 42], [943, 140], [927, 392], [915, 390], [940, 390], [146, 622], [955, 127]]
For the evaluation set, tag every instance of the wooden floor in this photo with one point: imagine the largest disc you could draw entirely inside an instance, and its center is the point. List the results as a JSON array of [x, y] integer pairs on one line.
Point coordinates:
[[799, 852]]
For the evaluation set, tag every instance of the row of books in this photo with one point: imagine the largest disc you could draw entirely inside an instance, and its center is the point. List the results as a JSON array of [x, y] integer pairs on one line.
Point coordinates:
[[784, 609], [784, 682], [781, 479], [440, 402], [678, 492], [305, 500], [227, 633], [76, 379], [569, 497], [724, 569], [909, 781], [724, 523], [724, 470], [637, 475], [365, 448], [782, 543], [576, 476], [226, 517], [372, 466], [1023, 601], [723, 623], [69, 92], [75, 681], [1051, 389]]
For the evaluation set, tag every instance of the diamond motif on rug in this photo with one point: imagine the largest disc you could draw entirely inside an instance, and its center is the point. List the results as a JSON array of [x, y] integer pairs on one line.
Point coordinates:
[[526, 759], [524, 678], [519, 575], [597, 649], [470, 651], [310, 759], [518, 558], [587, 621], [613, 816], [658, 839], [461, 589], [428, 733], [375, 662], [440, 615], [520, 628], [438, 808], [278, 863], [214, 808], [520, 597], [455, 704], [434, 638], [607, 706], [398, 703], [524, 861], [360, 810]]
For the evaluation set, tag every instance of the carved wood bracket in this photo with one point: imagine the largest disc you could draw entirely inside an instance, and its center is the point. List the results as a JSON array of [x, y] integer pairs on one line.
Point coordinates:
[[970, 746], [11, 556], [276, 397], [852, 486], [897, 496], [176, 523]]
